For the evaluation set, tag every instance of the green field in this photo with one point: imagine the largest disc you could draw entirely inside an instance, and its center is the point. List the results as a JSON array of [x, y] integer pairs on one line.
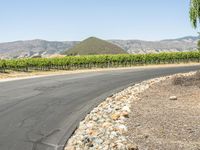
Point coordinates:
[[97, 61]]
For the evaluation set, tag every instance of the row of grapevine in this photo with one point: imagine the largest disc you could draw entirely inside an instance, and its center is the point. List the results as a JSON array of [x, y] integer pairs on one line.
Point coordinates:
[[97, 61]]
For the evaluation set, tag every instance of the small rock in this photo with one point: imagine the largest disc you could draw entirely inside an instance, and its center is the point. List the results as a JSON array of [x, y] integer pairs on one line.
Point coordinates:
[[90, 144], [137, 125], [121, 129], [115, 116], [98, 141], [106, 125], [126, 108], [70, 148], [173, 98], [132, 147], [92, 132], [95, 118], [113, 145], [86, 140], [101, 120], [113, 134], [121, 146], [146, 136], [109, 110], [125, 114]]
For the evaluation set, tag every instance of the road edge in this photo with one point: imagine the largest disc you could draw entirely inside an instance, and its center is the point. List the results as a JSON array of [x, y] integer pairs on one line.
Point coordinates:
[[57, 73], [88, 133]]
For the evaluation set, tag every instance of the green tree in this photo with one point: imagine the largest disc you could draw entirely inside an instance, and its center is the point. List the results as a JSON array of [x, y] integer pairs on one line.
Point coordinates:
[[195, 15], [198, 45], [195, 12]]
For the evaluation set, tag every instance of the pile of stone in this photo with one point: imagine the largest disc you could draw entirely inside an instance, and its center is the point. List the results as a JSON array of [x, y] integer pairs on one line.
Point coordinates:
[[104, 128]]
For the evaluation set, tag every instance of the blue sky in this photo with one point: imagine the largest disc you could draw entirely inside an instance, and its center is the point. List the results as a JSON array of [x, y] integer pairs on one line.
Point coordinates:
[[68, 20]]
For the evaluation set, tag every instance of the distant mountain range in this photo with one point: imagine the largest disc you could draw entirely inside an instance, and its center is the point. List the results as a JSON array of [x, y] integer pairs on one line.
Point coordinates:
[[20, 49], [188, 43]]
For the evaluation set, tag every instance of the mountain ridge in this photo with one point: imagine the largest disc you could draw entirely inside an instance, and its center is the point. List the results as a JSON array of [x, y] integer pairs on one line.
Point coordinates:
[[28, 48]]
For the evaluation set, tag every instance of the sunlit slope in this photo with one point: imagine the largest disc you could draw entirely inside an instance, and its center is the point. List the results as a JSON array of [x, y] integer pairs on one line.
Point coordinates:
[[94, 45]]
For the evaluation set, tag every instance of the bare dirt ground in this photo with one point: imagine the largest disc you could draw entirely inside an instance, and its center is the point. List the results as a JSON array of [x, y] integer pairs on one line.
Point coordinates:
[[20, 75], [158, 123]]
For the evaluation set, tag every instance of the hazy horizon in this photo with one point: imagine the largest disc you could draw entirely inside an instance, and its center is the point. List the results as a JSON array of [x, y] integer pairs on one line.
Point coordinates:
[[98, 37]]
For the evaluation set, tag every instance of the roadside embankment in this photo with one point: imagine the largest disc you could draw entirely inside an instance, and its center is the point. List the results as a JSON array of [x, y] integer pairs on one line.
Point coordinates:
[[112, 123], [166, 115]]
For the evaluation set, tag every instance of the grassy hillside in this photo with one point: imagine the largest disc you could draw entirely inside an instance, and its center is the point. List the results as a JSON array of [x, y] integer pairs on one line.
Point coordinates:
[[95, 46]]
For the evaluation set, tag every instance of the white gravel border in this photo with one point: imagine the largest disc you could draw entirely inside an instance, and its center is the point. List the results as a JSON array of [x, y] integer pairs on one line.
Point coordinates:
[[104, 128]]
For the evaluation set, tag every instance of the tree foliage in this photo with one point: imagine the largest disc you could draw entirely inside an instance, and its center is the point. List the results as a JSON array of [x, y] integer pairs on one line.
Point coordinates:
[[198, 45], [195, 12]]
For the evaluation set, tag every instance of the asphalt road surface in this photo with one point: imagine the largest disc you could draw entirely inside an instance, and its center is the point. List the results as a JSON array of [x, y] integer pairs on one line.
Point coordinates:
[[42, 113]]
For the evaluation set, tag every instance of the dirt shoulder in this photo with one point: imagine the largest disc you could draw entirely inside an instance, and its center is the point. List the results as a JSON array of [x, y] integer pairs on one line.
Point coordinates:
[[158, 123], [24, 75]]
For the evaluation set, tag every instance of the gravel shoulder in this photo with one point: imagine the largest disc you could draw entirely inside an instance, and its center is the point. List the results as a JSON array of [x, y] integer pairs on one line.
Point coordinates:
[[104, 128], [154, 114], [27, 75]]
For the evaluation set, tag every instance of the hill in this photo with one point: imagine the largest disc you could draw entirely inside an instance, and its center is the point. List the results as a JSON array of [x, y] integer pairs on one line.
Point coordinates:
[[44, 48], [20, 49], [188, 43], [96, 46]]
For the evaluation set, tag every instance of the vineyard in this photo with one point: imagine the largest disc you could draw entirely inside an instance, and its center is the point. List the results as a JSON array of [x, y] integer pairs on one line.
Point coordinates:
[[97, 61]]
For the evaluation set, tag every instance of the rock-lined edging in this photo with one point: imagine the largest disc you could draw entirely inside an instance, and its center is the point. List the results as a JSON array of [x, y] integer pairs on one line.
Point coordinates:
[[104, 128]]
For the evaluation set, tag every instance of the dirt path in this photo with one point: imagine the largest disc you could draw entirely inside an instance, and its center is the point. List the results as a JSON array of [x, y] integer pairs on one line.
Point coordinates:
[[157, 123]]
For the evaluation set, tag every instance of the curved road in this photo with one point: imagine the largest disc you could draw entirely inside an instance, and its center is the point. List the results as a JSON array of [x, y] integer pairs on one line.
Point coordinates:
[[41, 113]]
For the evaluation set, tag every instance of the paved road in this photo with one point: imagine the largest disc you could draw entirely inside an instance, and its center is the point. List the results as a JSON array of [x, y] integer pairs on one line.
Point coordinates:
[[41, 113]]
